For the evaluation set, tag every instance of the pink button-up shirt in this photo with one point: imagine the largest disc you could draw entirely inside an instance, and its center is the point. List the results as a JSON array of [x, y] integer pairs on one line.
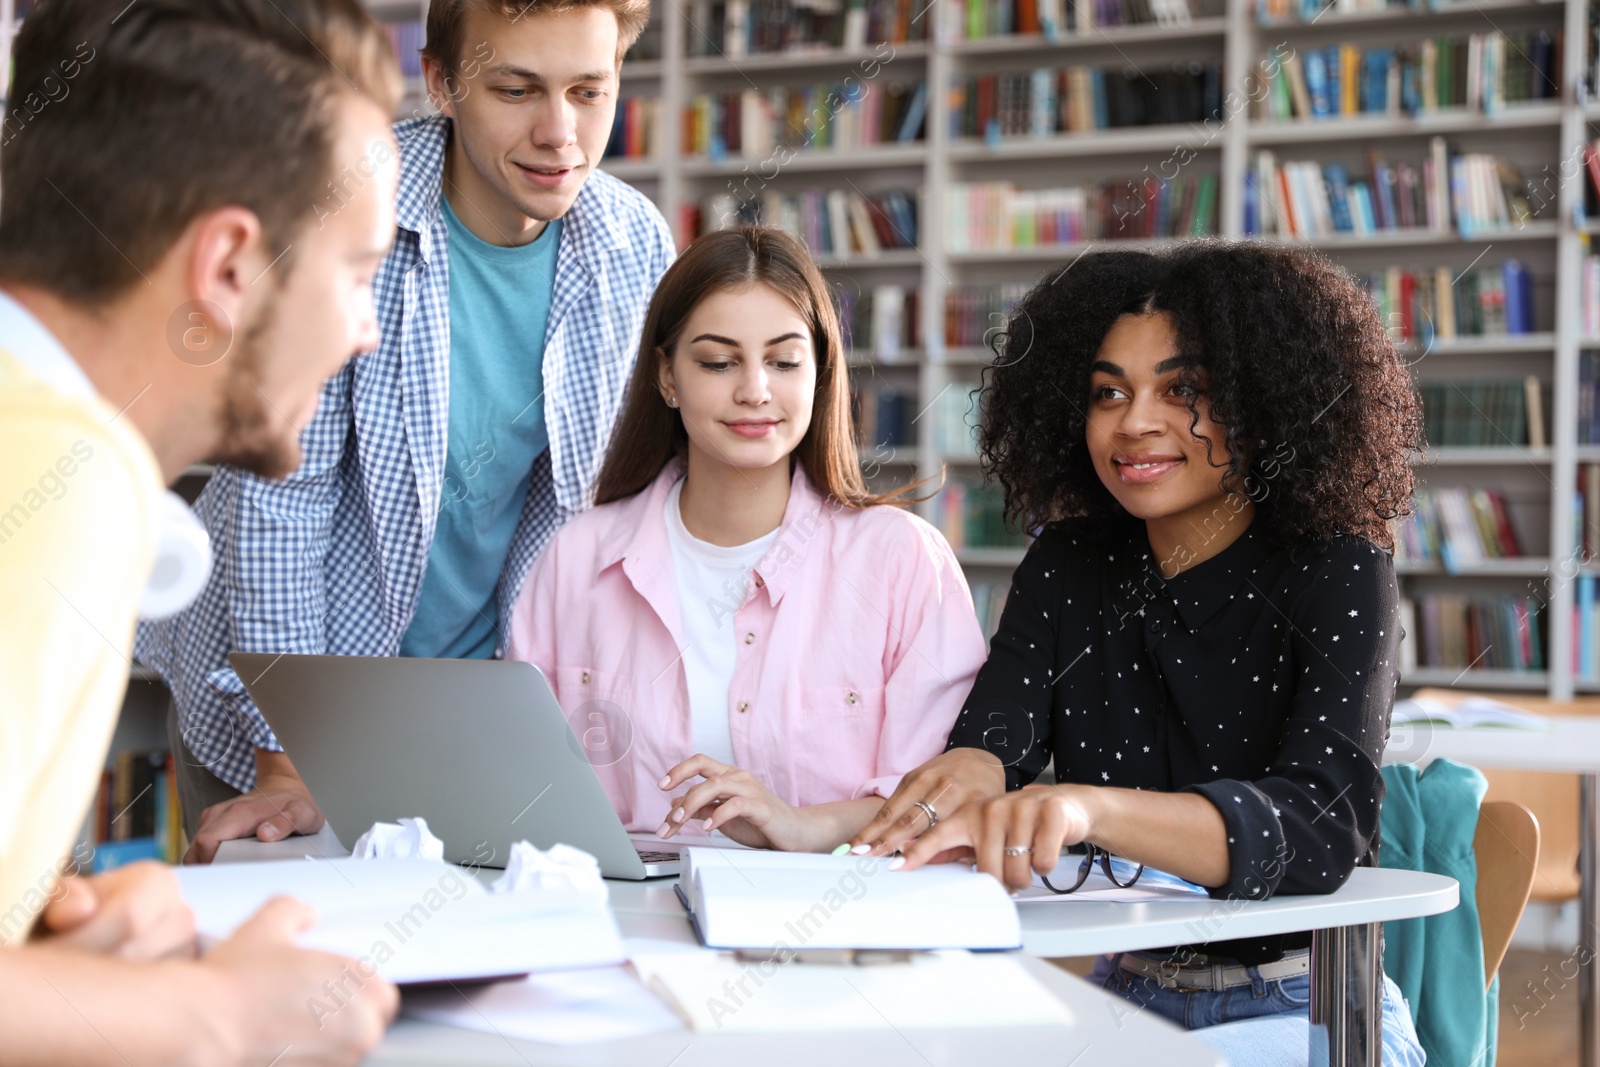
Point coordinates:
[[857, 645]]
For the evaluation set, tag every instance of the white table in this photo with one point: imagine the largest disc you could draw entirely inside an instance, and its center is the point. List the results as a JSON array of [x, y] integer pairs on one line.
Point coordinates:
[[1104, 1031], [1346, 976], [1570, 746]]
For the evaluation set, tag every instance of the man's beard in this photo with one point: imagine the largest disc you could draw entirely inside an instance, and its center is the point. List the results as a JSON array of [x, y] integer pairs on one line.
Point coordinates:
[[256, 437]]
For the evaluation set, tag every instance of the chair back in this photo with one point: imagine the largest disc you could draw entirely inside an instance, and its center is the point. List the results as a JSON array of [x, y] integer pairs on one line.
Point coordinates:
[[1506, 845]]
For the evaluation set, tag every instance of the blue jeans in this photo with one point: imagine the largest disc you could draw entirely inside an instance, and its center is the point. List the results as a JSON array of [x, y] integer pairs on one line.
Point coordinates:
[[1264, 1023]]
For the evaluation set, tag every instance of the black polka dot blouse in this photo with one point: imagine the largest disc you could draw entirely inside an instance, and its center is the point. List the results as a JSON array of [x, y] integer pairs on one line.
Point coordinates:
[[1261, 679]]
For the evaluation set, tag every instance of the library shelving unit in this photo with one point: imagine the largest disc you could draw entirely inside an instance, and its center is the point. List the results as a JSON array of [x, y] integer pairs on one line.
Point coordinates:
[[1541, 137]]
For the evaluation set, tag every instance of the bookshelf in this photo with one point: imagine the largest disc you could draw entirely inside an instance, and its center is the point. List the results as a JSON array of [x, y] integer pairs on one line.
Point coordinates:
[[1537, 134]]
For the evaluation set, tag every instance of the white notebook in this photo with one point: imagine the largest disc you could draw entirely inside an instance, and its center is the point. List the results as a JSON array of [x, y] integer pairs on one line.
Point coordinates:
[[412, 920], [766, 900]]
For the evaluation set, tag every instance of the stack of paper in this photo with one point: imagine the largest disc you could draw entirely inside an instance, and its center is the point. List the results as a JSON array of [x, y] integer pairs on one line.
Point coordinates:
[[412, 920], [776, 900]]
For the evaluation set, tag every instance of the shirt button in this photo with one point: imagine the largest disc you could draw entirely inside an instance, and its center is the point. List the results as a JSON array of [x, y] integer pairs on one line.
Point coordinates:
[[749, 639], [759, 582], [1155, 624], [585, 677], [852, 698], [744, 705]]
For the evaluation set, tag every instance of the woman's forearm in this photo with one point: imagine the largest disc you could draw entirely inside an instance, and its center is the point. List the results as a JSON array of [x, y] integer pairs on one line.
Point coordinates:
[[1181, 833], [827, 826]]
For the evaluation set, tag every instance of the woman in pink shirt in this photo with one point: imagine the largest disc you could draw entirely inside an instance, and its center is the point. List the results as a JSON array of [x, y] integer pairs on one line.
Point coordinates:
[[738, 614]]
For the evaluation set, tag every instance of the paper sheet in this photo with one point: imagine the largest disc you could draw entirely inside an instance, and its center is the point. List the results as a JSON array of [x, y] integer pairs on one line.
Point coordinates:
[[407, 839], [940, 990], [562, 1008]]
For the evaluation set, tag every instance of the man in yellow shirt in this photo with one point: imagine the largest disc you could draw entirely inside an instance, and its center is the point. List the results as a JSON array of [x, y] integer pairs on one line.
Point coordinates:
[[175, 284]]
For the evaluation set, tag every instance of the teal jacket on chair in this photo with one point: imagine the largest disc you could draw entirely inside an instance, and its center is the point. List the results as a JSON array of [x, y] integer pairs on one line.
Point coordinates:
[[1427, 823]]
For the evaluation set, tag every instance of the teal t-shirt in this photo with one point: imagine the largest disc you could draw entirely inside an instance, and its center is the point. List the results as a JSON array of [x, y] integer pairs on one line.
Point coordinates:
[[499, 305]]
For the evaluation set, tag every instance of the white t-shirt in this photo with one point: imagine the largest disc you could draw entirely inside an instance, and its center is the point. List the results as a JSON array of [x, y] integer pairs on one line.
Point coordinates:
[[712, 583]]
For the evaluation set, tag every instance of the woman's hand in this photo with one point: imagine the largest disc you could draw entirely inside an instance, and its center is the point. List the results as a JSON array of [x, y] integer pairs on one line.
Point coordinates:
[[737, 803], [946, 783], [1040, 818]]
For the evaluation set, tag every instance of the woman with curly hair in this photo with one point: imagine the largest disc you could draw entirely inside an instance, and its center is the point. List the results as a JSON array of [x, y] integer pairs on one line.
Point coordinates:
[[1211, 443]]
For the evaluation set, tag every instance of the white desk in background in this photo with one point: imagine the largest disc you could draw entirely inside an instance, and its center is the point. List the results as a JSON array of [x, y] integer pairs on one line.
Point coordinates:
[[1106, 1030], [1570, 746]]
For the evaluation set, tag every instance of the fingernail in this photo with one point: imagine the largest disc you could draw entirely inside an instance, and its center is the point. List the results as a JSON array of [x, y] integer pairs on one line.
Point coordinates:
[[678, 814], [664, 782], [841, 850], [268, 833], [861, 850], [663, 831], [896, 863], [706, 825]]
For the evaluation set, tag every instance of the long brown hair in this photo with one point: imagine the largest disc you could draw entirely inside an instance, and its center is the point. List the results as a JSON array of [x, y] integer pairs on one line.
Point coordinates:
[[649, 434]]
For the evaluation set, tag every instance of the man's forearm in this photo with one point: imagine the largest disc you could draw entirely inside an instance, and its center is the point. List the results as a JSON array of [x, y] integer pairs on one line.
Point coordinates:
[[59, 1006]]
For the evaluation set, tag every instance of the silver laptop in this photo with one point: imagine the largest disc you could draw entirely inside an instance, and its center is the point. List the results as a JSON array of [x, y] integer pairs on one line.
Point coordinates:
[[479, 748]]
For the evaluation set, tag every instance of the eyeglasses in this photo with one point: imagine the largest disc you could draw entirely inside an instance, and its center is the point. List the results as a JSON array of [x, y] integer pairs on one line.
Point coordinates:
[[1110, 865]]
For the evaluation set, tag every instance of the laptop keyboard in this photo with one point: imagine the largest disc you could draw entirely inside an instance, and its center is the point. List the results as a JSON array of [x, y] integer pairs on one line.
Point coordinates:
[[650, 856]]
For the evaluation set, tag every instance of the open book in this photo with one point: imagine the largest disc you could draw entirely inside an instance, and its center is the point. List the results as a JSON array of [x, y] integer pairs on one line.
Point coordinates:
[[1448, 708], [788, 900], [412, 920]]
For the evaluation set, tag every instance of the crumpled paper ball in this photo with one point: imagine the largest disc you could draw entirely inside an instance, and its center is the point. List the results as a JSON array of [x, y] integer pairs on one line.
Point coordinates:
[[561, 868], [407, 839]]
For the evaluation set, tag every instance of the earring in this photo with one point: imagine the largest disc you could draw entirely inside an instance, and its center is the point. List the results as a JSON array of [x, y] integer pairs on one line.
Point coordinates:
[[672, 401]]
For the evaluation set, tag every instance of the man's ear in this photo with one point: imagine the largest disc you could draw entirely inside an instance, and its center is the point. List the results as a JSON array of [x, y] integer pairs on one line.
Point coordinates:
[[443, 88], [225, 259]]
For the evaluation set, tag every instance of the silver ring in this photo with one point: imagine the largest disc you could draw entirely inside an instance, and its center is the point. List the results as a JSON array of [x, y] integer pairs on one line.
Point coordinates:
[[927, 809], [1018, 850]]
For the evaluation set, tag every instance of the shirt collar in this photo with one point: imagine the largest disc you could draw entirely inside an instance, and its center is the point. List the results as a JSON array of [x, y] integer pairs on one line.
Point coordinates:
[[643, 530], [36, 348], [1200, 591]]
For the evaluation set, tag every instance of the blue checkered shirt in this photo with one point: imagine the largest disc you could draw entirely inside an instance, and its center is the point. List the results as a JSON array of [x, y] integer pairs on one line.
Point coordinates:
[[331, 559]]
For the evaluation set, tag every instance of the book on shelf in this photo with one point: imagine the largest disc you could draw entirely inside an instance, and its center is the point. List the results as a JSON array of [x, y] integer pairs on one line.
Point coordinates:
[[1047, 101], [972, 311], [832, 222], [998, 216], [882, 321], [1589, 297], [971, 515], [1468, 194], [135, 812], [955, 424], [763, 27], [634, 129], [1270, 11], [1588, 405], [1457, 527], [1426, 305], [883, 415], [830, 116], [1484, 412], [1484, 72], [1586, 512], [1505, 633], [976, 20], [408, 37]]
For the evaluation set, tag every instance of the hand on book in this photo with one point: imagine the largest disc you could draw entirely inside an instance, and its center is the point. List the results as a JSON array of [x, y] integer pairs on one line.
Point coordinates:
[[301, 1006], [135, 912], [1035, 824], [737, 803], [946, 783]]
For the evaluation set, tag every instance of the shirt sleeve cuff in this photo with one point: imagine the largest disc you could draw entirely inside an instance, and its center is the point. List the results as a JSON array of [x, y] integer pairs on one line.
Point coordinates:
[[1256, 846]]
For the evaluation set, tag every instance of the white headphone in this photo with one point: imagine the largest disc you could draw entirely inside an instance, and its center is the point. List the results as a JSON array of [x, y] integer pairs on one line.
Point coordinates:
[[183, 560]]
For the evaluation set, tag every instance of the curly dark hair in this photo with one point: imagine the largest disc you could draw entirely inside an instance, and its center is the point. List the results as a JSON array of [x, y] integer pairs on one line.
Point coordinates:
[[1294, 355]]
